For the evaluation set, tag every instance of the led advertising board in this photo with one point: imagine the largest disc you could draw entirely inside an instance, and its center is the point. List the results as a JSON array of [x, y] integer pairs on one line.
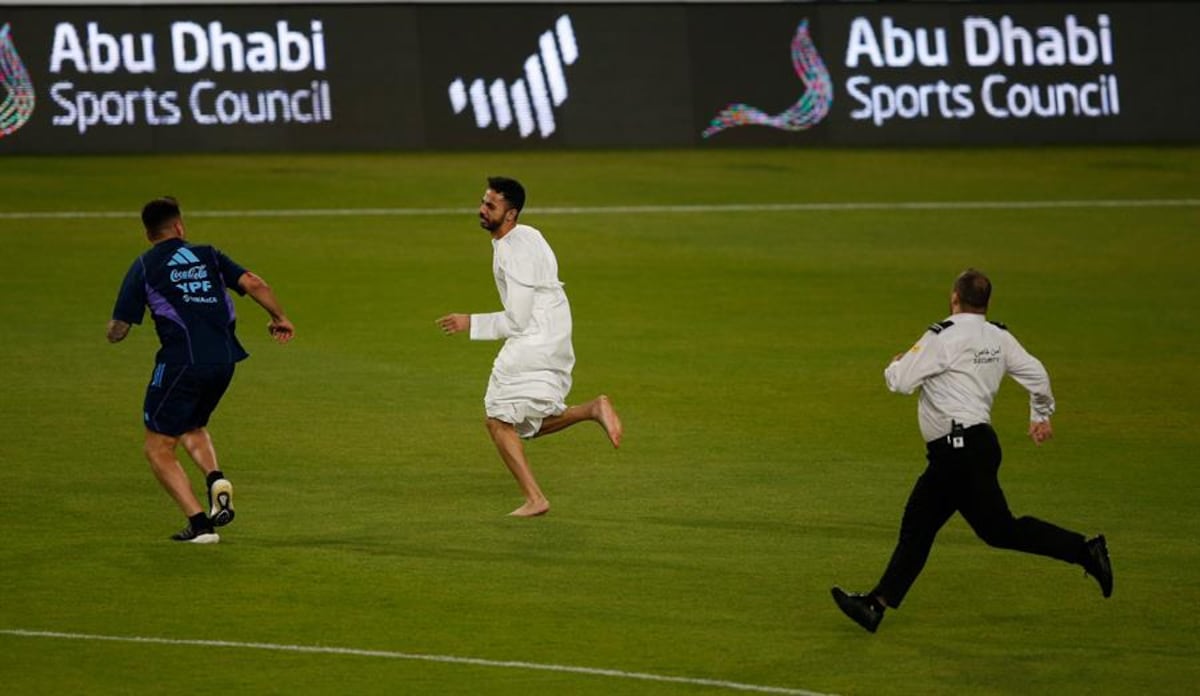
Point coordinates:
[[212, 79], [319, 77], [923, 74]]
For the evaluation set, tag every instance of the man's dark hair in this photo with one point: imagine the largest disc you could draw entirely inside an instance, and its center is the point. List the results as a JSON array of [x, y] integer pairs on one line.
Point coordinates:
[[974, 289], [159, 213], [511, 189]]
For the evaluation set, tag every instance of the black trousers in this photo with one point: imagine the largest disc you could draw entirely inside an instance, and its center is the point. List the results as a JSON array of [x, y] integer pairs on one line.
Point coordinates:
[[964, 479]]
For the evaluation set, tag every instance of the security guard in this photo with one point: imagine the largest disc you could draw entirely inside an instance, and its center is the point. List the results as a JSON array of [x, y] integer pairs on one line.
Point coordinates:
[[958, 365]]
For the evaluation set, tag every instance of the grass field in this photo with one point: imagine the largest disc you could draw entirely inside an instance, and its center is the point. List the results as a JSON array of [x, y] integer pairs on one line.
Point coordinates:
[[764, 459]]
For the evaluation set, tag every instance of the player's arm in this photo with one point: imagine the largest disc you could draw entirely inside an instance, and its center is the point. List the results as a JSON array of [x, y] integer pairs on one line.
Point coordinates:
[[130, 306], [279, 327], [909, 369]]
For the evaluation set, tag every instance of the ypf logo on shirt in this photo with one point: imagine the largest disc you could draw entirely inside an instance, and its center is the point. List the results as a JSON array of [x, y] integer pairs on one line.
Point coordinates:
[[191, 278], [17, 105]]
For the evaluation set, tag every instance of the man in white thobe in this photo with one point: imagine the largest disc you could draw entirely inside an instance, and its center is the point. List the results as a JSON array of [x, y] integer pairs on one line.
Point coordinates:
[[531, 377]]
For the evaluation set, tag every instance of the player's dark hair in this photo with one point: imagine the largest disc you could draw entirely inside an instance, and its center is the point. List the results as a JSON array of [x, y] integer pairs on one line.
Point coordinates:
[[159, 213], [974, 289], [511, 189]]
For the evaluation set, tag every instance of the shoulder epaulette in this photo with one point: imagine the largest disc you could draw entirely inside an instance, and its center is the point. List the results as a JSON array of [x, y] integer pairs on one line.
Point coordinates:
[[998, 325], [939, 326]]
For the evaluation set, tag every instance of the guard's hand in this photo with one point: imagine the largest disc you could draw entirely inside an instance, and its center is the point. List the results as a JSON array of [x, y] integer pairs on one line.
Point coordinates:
[[281, 330], [1040, 432], [454, 323]]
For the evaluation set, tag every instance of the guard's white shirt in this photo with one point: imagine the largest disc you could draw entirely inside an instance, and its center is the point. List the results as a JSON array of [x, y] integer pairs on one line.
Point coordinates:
[[958, 370], [531, 376]]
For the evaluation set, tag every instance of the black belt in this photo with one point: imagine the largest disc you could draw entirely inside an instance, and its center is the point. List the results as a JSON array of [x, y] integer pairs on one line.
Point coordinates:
[[957, 438]]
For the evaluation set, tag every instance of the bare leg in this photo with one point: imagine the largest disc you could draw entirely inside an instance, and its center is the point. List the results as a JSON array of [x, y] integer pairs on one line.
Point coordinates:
[[512, 451], [599, 409], [160, 452], [199, 446]]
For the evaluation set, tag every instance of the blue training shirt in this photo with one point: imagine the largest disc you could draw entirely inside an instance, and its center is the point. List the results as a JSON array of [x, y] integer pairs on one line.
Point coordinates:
[[185, 288]]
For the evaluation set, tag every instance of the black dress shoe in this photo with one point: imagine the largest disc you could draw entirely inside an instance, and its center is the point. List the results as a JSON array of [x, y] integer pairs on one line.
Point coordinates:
[[1097, 564], [864, 609]]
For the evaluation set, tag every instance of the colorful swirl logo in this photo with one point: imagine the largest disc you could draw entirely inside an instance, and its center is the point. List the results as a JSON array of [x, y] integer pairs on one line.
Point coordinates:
[[809, 111], [17, 106]]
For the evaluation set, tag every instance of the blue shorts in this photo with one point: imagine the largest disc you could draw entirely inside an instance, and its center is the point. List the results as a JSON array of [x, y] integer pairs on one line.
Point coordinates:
[[180, 398]]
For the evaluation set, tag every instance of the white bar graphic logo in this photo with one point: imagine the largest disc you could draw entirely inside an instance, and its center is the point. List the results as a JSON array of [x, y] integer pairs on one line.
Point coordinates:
[[529, 101]]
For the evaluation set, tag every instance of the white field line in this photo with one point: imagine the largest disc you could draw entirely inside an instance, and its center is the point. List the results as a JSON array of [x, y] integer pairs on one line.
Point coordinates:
[[450, 659], [632, 209]]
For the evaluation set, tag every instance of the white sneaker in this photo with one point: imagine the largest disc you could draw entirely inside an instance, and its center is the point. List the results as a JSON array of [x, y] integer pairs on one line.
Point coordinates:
[[220, 496], [194, 537]]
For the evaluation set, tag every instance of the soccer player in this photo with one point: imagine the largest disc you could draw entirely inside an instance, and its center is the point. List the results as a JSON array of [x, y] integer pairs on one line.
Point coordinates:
[[185, 287], [526, 395]]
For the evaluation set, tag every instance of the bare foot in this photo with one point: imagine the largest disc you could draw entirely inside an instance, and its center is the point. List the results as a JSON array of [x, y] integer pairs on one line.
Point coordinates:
[[532, 509], [607, 415]]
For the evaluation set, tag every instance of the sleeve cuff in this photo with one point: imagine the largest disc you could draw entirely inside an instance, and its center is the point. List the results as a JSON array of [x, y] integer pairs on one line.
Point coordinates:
[[485, 327]]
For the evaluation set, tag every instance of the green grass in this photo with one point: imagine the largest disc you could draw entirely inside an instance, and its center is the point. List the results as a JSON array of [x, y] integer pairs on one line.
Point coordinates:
[[764, 459]]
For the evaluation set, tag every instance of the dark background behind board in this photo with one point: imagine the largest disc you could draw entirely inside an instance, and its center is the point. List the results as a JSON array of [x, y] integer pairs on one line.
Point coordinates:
[[647, 75]]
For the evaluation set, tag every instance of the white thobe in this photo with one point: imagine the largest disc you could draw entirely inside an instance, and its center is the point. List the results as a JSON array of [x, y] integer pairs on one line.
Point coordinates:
[[958, 365], [531, 376]]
